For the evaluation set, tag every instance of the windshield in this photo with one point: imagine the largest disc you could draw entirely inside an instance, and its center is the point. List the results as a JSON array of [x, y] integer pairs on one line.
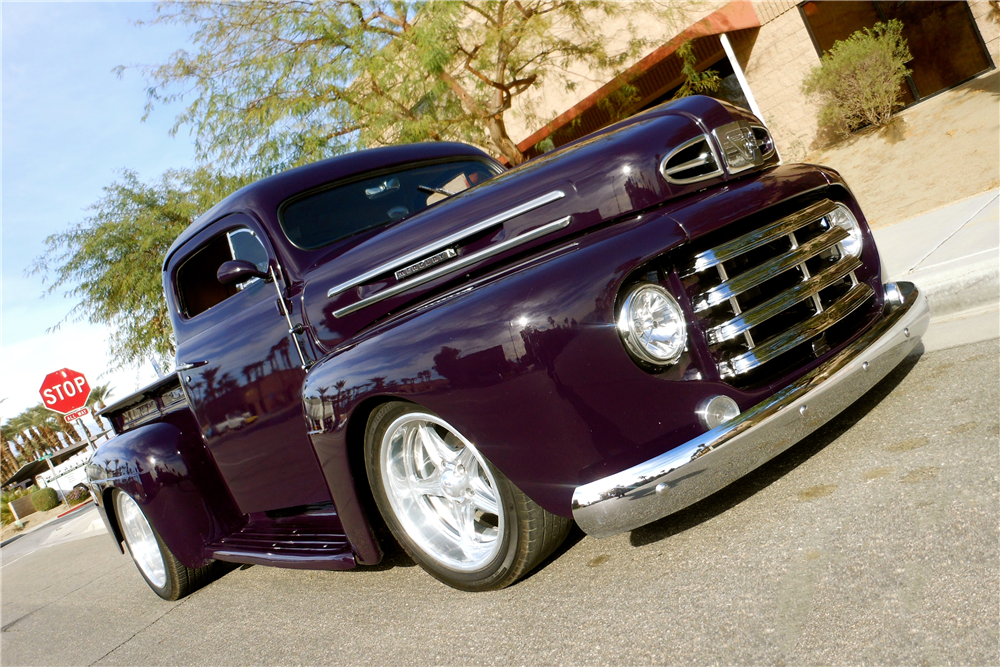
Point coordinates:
[[323, 217]]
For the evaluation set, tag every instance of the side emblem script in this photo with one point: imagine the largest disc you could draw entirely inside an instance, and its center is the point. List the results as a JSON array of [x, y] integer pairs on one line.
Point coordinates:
[[425, 263]]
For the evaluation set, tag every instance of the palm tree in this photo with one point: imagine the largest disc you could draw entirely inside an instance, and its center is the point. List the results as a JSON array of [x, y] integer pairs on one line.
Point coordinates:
[[20, 425], [8, 463], [42, 422]]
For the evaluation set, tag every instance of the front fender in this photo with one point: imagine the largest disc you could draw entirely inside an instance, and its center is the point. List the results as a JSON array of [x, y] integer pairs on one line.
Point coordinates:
[[527, 363], [520, 361], [164, 467]]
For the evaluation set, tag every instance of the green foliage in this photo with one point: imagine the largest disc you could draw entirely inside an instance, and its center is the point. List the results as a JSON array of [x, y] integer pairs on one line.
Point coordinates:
[[695, 82], [9, 496], [78, 495], [859, 80], [110, 262], [45, 499], [278, 83]]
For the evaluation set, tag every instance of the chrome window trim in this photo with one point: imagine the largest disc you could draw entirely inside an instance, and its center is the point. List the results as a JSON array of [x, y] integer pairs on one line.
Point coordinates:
[[431, 248], [691, 163], [460, 263]]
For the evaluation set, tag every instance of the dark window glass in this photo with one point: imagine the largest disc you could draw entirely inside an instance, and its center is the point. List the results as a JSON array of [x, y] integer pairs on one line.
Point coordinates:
[[942, 36], [943, 40], [321, 218], [198, 285]]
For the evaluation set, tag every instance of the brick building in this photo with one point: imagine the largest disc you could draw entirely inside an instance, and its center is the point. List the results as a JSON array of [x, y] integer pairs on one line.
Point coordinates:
[[764, 50]]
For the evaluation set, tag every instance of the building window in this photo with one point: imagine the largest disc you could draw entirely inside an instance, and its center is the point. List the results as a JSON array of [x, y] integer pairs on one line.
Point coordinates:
[[944, 41]]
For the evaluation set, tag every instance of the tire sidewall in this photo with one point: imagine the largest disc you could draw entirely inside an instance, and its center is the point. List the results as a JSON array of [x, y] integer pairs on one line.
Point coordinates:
[[170, 588], [490, 576]]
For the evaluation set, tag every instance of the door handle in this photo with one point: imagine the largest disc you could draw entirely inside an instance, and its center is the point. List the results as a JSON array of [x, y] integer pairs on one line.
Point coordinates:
[[189, 365]]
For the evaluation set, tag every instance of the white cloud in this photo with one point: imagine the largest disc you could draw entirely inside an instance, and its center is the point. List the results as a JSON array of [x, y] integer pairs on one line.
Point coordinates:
[[82, 347]]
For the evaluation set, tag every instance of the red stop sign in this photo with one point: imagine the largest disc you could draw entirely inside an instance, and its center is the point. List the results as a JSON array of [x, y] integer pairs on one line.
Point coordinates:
[[65, 391]]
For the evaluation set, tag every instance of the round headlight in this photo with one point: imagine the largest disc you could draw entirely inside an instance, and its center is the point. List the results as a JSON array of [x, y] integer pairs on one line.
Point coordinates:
[[652, 325], [842, 217]]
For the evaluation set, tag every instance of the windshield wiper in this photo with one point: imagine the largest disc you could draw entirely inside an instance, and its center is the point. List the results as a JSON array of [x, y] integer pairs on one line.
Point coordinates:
[[438, 191]]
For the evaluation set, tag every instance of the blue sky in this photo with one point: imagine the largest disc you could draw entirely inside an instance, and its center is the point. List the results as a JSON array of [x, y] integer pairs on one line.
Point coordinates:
[[69, 126]]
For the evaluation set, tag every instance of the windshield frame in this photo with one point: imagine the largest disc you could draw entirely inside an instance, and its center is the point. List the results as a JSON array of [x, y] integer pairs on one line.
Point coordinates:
[[489, 165]]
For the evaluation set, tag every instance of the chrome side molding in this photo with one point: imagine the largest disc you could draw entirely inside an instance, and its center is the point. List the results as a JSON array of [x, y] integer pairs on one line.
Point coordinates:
[[431, 248], [460, 263]]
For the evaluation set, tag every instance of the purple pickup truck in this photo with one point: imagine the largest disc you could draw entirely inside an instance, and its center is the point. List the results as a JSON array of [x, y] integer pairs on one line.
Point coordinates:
[[415, 343]]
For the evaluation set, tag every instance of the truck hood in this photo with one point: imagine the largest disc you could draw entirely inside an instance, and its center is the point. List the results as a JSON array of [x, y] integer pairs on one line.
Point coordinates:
[[602, 177]]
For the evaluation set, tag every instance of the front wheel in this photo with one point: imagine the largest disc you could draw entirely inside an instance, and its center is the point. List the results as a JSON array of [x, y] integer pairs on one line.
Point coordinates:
[[455, 514], [167, 576]]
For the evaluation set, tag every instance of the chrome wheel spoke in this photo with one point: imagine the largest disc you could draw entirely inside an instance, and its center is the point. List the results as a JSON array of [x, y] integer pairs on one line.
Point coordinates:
[[441, 491], [484, 500], [428, 486], [465, 519], [435, 446]]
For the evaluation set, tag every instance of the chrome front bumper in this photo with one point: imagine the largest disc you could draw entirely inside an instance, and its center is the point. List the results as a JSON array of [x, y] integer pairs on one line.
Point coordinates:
[[700, 467]]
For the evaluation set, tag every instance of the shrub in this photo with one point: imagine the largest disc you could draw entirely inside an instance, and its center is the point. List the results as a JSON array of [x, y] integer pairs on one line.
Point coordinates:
[[859, 79], [78, 495], [45, 499]]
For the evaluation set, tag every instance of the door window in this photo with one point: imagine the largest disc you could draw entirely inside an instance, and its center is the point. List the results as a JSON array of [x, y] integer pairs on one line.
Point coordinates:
[[198, 286]]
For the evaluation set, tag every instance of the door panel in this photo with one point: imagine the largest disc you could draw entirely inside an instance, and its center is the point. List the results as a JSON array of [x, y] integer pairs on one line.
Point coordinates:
[[246, 391]]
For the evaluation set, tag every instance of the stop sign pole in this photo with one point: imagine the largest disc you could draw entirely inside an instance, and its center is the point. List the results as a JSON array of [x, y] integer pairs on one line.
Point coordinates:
[[66, 391]]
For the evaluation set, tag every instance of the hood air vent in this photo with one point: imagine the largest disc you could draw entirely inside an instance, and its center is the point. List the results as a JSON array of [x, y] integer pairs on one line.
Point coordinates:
[[763, 140], [694, 160]]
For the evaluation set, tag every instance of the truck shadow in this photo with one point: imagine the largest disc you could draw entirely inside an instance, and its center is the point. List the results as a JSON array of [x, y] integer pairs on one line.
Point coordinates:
[[745, 487]]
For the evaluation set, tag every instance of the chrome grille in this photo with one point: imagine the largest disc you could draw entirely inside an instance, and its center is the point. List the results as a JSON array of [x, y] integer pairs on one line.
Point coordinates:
[[774, 289]]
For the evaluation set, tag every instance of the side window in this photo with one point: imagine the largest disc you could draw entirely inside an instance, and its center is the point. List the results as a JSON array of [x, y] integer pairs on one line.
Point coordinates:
[[197, 285]]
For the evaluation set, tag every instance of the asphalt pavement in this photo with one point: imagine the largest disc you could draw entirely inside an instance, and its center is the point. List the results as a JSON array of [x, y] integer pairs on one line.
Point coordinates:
[[871, 542]]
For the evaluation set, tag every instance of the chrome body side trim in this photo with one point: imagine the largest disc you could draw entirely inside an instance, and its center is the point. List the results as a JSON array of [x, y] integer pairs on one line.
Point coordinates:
[[703, 465], [430, 248], [460, 263]]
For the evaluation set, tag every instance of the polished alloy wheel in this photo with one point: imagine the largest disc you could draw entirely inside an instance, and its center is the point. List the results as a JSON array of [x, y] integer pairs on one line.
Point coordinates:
[[442, 491], [141, 540]]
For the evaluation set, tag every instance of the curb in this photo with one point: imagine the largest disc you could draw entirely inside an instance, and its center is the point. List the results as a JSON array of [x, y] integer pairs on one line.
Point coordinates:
[[962, 288], [73, 509]]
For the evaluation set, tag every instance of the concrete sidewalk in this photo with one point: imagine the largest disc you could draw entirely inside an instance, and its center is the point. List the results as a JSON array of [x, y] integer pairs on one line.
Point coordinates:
[[952, 254]]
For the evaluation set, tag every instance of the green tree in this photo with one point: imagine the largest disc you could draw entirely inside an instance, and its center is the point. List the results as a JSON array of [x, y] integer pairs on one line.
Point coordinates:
[[277, 83], [695, 82], [99, 394], [110, 262]]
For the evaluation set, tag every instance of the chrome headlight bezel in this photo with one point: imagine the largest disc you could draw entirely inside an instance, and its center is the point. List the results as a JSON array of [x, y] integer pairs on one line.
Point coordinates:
[[635, 324], [842, 217]]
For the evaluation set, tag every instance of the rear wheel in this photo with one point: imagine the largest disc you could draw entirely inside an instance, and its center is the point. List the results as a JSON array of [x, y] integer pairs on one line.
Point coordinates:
[[168, 577], [450, 509]]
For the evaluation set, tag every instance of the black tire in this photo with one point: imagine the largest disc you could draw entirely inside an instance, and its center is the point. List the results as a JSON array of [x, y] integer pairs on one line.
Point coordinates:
[[177, 580], [514, 540]]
